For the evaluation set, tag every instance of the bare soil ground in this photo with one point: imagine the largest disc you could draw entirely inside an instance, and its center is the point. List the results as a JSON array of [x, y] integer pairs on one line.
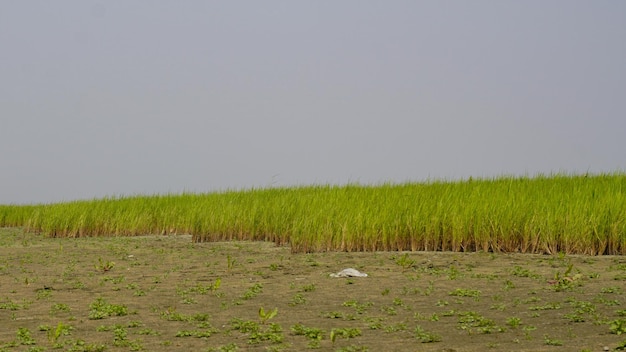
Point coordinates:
[[164, 293]]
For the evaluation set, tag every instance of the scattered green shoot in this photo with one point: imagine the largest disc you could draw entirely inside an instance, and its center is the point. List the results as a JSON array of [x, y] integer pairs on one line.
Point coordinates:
[[264, 316]]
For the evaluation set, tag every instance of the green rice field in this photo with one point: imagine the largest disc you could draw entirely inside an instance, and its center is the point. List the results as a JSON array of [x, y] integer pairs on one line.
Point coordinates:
[[571, 214]]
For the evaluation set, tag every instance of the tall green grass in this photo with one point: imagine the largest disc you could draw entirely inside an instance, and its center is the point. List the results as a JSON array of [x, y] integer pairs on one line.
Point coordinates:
[[543, 214]]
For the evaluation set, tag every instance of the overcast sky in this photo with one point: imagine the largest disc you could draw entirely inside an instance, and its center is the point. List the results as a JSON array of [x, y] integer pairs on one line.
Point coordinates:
[[109, 98]]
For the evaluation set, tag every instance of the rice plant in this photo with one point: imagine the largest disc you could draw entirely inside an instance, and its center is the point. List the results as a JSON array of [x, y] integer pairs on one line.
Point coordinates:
[[583, 214]]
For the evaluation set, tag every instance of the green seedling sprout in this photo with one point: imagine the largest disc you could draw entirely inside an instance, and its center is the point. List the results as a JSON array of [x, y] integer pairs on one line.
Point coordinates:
[[265, 316]]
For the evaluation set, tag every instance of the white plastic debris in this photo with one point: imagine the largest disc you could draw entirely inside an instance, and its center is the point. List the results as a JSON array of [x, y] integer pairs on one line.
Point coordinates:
[[349, 273]]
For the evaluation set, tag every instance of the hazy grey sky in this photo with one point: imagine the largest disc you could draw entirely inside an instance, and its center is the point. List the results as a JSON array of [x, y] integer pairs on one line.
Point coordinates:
[[102, 98]]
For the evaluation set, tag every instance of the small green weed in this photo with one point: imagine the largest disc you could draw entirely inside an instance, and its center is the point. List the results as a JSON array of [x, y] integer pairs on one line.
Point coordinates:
[[527, 329], [547, 306], [618, 326], [514, 322], [104, 266], [264, 316], [252, 291], [395, 327], [566, 281], [44, 293], [148, 331], [100, 309], [471, 319], [612, 289], [297, 299], [552, 342], [405, 261], [196, 333], [231, 347], [272, 333], [10, 305], [61, 330], [508, 285], [359, 307], [308, 288], [24, 338], [621, 346], [459, 292], [521, 272], [230, 262], [344, 333], [353, 348], [310, 333], [59, 307], [426, 337]]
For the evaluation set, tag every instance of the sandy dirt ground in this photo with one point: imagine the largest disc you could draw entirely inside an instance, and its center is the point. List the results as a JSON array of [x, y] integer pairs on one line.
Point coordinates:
[[164, 293]]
